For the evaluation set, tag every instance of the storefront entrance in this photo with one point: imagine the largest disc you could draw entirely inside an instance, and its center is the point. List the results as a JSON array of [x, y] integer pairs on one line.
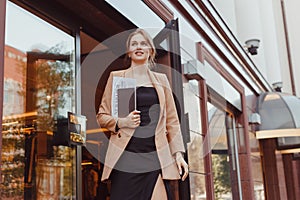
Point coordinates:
[[51, 70], [97, 62], [41, 85]]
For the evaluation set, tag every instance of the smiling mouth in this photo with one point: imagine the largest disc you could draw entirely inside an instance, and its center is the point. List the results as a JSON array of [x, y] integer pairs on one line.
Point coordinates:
[[139, 53]]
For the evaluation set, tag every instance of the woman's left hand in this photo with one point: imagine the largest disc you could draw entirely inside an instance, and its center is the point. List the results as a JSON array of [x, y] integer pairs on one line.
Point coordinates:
[[181, 164]]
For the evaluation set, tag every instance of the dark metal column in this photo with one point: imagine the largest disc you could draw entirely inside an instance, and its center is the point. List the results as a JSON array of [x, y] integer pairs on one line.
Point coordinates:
[[78, 110], [177, 87]]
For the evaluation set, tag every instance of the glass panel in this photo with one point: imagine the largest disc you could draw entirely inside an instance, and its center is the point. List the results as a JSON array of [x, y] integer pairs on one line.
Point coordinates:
[[197, 186], [192, 107], [148, 20], [286, 142], [195, 145], [38, 91], [222, 86], [221, 174], [221, 153], [256, 168], [92, 53]]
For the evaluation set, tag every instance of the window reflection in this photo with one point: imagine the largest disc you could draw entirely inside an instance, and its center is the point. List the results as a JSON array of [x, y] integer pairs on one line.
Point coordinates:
[[222, 86], [256, 167], [195, 145], [197, 184], [223, 158], [149, 19], [38, 91]]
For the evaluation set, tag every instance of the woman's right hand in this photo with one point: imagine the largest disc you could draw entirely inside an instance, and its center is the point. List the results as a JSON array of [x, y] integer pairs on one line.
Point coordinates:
[[132, 120]]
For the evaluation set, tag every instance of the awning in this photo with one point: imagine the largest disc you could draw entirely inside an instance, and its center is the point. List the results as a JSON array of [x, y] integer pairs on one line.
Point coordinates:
[[280, 118]]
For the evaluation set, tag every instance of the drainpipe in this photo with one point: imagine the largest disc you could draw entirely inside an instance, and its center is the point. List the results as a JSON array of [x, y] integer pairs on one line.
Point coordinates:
[[288, 48]]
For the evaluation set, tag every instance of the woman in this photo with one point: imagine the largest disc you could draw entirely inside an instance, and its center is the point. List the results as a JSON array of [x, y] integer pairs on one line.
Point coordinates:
[[146, 146]]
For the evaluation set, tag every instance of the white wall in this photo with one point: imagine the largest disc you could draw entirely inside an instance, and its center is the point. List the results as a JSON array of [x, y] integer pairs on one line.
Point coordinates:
[[249, 26], [226, 9], [263, 20]]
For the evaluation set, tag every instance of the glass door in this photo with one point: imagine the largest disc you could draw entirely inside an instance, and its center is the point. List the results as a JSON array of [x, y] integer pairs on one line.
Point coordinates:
[[220, 154], [169, 62], [98, 59], [223, 144], [39, 90]]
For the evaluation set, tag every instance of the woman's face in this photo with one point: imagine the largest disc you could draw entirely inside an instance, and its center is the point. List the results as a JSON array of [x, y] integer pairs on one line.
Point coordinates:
[[139, 49]]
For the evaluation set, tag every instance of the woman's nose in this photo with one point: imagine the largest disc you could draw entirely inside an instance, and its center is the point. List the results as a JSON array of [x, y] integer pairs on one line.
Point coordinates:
[[139, 46]]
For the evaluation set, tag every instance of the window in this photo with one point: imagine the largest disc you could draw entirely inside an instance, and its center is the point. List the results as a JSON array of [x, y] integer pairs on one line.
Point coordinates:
[[195, 147], [39, 74]]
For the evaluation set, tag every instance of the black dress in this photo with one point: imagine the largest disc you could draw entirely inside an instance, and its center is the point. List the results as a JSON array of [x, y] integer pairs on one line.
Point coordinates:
[[137, 170]]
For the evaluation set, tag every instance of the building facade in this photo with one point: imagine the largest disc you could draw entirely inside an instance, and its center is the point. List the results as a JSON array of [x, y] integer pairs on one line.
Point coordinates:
[[56, 57], [273, 24]]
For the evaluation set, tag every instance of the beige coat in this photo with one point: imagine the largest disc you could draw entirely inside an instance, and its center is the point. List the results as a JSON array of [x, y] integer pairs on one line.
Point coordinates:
[[168, 138]]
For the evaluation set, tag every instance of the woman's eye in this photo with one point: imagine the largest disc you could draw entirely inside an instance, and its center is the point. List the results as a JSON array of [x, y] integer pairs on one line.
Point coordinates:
[[142, 44]]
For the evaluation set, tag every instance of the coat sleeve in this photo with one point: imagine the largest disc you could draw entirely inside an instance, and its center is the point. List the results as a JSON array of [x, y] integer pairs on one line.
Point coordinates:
[[174, 134], [104, 117]]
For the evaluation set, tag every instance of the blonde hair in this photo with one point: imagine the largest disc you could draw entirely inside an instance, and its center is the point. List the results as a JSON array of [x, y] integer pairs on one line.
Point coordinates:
[[148, 38]]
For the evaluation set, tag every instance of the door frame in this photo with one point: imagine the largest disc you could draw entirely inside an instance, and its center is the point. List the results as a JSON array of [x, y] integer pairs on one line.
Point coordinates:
[[172, 58], [2, 43]]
